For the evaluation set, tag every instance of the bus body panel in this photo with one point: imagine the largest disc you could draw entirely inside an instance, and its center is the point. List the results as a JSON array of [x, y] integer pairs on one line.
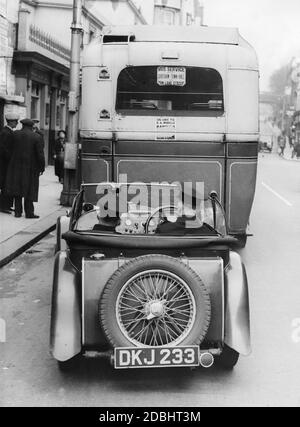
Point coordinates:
[[218, 147]]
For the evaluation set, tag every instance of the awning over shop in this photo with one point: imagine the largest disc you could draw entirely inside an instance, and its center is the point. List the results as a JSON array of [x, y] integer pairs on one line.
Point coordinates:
[[50, 71], [12, 98]]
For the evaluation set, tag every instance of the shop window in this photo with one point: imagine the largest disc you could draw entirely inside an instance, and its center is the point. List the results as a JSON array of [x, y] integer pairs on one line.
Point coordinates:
[[189, 19], [61, 110], [35, 89], [62, 116], [47, 115], [57, 120], [34, 107], [35, 100], [92, 33]]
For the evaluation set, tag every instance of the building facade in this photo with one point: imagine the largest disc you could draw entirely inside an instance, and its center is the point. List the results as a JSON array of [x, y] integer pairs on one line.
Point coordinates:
[[286, 108], [41, 62], [172, 12], [10, 99], [35, 44], [268, 120], [294, 100]]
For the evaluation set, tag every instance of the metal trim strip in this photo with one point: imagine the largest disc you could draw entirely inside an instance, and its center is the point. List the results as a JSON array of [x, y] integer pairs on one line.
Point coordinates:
[[82, 302]]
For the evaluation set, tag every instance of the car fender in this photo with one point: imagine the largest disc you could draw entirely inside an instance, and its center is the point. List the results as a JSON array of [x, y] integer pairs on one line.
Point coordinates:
[[65, 331], [62, 226], [237, 314]]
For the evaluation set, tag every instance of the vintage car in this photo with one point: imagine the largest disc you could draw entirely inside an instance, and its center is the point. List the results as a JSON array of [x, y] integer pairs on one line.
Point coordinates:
[[267, 137], [148, 287], [266, 143]]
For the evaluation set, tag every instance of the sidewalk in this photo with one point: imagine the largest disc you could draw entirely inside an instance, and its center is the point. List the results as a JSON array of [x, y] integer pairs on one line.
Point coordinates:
[[18, 234], [288, 154]]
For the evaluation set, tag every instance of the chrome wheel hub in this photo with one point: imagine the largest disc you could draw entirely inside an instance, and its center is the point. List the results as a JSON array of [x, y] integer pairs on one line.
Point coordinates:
[[155, 308]]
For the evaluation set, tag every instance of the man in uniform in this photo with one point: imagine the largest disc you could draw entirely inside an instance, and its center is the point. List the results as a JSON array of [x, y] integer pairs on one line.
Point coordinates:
[[6, 137], [26, 165]]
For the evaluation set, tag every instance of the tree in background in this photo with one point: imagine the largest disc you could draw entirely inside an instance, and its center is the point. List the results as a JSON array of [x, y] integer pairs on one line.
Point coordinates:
[[279, 80]]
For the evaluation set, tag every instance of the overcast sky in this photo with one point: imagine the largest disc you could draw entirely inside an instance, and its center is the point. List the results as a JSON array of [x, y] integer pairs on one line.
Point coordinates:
[[271, 26]]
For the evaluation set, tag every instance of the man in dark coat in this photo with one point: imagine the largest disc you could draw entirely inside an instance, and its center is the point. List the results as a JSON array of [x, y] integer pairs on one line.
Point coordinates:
[[26, 165], [37, 130], [58, 154], [6, 145]]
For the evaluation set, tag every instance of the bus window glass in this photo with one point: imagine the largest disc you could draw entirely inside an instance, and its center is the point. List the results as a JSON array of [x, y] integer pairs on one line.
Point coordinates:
[[157, 90]]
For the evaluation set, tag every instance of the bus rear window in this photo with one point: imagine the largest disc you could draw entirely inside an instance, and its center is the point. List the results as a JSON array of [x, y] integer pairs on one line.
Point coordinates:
[[156, 90]]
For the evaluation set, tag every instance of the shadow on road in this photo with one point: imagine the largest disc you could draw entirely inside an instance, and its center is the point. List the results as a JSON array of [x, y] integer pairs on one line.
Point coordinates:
[[95, 371]]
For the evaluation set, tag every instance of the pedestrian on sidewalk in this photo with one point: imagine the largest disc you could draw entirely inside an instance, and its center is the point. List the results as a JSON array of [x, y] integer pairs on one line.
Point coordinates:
[[297, 150], [59, 154], [281, 143], [292, 136], [26, 165], [294, 150], [38, 131], [6, 146]]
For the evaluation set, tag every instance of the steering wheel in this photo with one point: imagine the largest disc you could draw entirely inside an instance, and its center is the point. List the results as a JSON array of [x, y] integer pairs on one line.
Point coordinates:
[[159, 209]]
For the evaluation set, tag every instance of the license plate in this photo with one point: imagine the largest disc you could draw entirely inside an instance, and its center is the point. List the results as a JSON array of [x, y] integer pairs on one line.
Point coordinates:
[[156, 357]]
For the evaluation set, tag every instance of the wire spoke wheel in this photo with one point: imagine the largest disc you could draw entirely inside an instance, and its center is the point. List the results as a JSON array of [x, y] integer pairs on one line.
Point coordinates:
[[155, 308], [156, 301]]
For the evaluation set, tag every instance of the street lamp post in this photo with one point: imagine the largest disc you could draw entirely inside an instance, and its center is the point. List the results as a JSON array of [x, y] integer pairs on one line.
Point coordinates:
[[70, 187]]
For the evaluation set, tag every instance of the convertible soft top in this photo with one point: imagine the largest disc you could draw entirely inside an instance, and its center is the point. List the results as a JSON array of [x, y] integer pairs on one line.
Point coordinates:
[[143, 241]]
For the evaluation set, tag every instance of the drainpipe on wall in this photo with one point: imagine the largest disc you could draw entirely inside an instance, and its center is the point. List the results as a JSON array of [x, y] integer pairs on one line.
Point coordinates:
[[71, 152]]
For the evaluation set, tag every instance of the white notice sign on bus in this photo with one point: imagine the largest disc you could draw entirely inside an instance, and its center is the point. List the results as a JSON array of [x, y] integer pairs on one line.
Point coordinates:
[[171, 76], [165, 128]]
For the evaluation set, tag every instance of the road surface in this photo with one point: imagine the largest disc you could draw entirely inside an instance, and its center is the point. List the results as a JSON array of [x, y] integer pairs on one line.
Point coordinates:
[[269, 377]]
